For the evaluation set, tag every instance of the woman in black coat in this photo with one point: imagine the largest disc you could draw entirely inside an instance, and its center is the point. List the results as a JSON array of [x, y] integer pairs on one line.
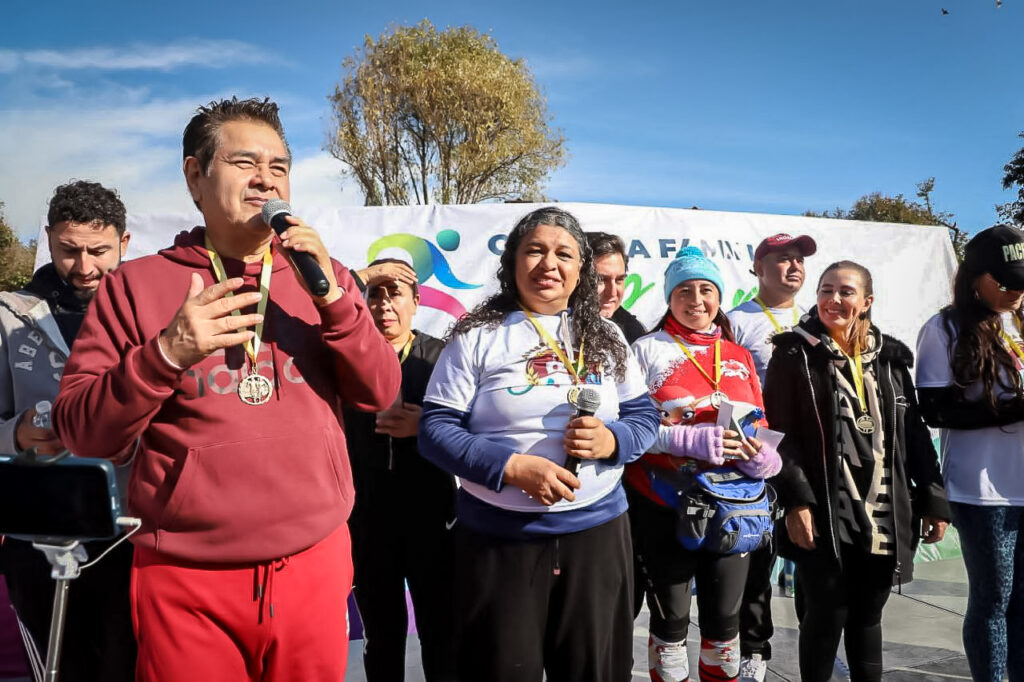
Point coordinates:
[[859, 476]]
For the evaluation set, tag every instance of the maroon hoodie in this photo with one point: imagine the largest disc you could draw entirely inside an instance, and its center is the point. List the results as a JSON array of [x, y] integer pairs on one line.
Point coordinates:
[[215, 480]]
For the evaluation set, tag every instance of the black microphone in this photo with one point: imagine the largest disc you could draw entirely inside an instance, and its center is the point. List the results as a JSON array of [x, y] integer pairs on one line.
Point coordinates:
[[585, 402], [274, 213]]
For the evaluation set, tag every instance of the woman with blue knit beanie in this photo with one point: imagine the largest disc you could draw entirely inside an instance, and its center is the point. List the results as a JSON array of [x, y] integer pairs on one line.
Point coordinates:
[[691, 365]]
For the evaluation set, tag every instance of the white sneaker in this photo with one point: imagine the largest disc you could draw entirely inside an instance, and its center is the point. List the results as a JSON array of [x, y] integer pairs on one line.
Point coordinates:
[[753, 669], [668, 661]]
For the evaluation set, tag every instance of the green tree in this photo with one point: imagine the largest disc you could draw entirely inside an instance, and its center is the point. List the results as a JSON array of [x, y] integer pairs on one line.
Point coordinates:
[[16, 259], [877, 207], [1013, 212], [423, 115]]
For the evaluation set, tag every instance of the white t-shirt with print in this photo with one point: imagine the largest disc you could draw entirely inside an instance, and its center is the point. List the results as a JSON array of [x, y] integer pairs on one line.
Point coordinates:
[[979, 466], [515, 389], [754, 331]]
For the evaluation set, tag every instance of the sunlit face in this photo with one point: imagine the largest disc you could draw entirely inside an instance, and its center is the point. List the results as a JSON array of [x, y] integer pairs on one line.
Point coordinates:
[[547, 269], [995, 296], [83, 253], [781, 271], [249, 168], [611, 282], [694, 303], [841, 300], [392, 305]]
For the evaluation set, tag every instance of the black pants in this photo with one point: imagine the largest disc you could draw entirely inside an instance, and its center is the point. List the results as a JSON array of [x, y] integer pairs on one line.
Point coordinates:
[[756, 627], [720, 578], [832, 600], [99, 644], [560, 605], [389, 548]]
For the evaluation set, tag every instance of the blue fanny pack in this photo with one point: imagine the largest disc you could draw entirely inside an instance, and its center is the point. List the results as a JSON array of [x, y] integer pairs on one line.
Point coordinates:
[[720, 510]]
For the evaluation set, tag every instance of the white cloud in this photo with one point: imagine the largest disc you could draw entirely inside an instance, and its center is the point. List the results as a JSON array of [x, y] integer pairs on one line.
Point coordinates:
[[202, 53], [135, 148]]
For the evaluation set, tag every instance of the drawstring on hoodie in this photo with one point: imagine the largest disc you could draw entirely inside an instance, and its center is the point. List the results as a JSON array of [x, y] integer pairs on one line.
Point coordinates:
[[263, 586]]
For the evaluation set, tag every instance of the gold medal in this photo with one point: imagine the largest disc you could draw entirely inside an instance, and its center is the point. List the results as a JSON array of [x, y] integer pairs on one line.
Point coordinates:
[[717, 398], [255, 389]]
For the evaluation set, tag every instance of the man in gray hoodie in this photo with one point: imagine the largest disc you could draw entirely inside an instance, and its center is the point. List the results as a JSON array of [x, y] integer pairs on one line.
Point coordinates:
[[86, 238]]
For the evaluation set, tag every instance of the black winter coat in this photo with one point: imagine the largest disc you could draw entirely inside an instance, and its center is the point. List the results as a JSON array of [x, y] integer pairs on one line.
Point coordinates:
[[389, 474], [801, 400]]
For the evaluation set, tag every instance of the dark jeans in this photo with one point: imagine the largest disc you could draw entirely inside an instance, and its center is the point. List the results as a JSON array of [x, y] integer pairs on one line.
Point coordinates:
[[992, 540], [559, 605], [834, 600], [720, 578]]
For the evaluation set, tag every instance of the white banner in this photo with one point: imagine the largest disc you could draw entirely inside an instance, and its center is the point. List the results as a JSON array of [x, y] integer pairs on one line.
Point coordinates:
[[455, 252]]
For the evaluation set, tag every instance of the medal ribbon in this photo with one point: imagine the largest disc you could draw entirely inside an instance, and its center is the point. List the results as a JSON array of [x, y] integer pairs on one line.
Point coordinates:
[[718, 361], [562, 354], [771, 318], [252, 347], [404, 353], [857, 370], [1013, 346]]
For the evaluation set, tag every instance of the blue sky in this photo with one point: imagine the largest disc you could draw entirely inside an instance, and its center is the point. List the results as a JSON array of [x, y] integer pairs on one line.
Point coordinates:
[[740, 106]]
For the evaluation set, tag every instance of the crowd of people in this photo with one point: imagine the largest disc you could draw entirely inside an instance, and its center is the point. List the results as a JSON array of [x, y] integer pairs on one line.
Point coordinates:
[[532, 478]]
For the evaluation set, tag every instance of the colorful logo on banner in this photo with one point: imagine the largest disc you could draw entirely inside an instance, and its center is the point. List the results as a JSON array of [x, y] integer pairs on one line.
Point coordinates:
[[428, 261]]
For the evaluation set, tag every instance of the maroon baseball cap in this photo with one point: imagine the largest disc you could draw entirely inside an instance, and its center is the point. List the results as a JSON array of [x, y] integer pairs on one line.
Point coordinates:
[[781, 240]]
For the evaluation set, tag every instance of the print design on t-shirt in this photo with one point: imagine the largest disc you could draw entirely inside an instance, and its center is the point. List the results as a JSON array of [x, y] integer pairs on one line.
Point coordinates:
[[543, 367]]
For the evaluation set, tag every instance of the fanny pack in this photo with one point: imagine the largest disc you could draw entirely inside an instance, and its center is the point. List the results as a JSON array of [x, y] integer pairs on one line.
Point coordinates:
[[720, 510]]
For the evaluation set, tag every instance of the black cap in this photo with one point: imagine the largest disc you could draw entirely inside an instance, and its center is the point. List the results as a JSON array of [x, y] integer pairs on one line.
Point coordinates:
[[999, 251]]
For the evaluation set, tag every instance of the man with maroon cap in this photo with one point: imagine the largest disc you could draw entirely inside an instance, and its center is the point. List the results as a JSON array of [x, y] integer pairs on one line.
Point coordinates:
[[779, 267]]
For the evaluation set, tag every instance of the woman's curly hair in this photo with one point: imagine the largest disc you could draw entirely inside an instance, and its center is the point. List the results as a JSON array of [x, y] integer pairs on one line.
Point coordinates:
[[603, 345], [979, 355]]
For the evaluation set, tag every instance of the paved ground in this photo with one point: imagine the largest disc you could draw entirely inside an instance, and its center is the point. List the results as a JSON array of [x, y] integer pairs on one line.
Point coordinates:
[[921, 628]]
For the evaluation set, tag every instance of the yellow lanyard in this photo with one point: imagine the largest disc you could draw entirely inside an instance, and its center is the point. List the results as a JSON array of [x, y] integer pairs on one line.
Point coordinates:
[[857, 370], [1014, 347], [771, 318], [557, 348], [252, 348], [404, 353], [718, 361]]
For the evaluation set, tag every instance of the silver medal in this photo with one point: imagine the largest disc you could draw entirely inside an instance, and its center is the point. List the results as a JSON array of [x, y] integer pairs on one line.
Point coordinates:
[[865, 423], [716, 399], [255, 389]]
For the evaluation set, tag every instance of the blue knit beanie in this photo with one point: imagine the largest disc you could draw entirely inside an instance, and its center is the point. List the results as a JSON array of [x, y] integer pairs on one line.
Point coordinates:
[[691, 263]]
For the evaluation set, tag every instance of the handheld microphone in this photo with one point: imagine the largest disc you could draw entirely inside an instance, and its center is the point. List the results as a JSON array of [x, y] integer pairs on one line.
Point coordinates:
[[585, 402], [274, 213]]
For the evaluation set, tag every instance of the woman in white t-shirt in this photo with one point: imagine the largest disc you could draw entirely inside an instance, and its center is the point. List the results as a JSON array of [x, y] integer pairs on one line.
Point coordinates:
[[543, 551], [970, 360]]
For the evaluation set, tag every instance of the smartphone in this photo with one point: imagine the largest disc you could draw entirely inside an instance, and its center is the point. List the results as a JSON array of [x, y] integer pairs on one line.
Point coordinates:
[[75, 498]]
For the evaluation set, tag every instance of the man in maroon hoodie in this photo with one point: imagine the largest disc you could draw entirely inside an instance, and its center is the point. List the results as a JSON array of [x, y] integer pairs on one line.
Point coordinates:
[[229, 375]]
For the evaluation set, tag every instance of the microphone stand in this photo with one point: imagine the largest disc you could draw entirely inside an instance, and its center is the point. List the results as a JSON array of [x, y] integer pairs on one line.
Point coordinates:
[[66, 560]]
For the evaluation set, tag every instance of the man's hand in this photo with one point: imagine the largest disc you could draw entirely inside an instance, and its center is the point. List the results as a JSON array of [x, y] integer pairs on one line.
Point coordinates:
[[302, 237], [385, 273], [204, 323], [800, 526], [540, 478], [933, 529], [26, 436], [589, 438], [399, 421]]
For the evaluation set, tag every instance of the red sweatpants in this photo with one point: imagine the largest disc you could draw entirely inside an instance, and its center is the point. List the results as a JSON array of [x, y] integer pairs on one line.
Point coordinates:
[[281, 620]]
